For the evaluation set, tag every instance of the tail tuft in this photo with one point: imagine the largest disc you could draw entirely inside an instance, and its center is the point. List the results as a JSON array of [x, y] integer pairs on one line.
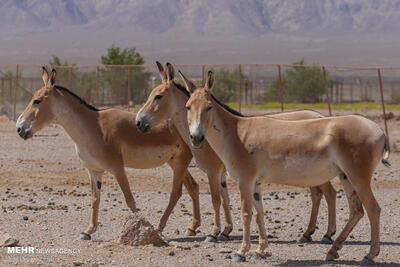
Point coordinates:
[[386, 150], [386, 163]]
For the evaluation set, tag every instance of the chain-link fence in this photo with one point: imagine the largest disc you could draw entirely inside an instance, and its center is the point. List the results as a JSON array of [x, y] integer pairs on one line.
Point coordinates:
[[240, 85]]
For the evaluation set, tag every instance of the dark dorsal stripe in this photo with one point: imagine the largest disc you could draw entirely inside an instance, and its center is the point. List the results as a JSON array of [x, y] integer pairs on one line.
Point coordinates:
[[230, 110], [83, 102]]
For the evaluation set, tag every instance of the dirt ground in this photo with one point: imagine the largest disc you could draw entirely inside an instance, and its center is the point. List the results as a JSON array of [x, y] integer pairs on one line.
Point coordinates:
[[45, 204]]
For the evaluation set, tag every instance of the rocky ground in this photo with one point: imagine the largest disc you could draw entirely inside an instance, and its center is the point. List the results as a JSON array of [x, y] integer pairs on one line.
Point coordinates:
[[45, 204]]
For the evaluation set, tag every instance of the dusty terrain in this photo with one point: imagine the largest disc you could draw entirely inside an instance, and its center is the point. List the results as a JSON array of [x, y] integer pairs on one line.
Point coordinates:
[[45, 203]]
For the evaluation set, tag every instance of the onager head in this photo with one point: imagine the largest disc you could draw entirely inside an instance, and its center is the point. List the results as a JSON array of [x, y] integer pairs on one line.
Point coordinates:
[[158, 106], [199, 108], [38, 113]]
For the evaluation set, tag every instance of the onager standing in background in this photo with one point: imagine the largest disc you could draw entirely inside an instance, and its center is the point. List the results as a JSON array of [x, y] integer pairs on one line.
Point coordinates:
[[168, 100]]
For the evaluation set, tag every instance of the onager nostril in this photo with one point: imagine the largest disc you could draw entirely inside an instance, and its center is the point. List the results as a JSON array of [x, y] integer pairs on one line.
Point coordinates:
[[202, 138], [138, 123], [19, 129], [191, 137]]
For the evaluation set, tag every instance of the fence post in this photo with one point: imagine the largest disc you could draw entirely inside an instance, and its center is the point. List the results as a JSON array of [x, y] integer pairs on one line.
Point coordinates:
[[203, 69], [2, 88], [15, 93], [69, 77], [383, 104], [97, 86], [327, 91], [129, 87], [280, 87], [240, 87]]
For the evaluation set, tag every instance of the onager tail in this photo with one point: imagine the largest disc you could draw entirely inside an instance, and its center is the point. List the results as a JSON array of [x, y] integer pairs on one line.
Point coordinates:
[[386, 150]]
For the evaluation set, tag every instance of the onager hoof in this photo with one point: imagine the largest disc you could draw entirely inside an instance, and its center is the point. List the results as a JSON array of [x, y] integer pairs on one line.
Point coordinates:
[[238, 258], [326, 240], [211, 239], [331, 257], [305, 239], [190, 232], [223, 237], [84, 236], [259, 256], [367, 262]]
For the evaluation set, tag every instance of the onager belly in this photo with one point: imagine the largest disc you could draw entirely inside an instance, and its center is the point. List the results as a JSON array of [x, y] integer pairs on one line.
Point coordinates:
[[302, 171], [148, 157]]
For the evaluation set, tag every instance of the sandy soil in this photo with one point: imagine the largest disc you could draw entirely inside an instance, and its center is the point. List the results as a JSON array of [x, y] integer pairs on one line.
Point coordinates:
[[45, 203]]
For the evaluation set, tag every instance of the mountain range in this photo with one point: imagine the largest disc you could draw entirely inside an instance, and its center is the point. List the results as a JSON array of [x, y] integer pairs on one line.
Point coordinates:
[[203, 31]]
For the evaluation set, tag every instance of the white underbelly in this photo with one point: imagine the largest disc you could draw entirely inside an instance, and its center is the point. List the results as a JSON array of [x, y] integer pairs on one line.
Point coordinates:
[[140, 158], [300, 171]]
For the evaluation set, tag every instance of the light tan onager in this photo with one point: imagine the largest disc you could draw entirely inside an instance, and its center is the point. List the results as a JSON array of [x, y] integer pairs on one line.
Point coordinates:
[[168, 100], [302, 153], [108, 140]]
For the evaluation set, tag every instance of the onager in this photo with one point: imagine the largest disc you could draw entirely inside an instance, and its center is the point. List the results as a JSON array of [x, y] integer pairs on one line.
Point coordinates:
[[168, 100], [301, 153], [108, 140]]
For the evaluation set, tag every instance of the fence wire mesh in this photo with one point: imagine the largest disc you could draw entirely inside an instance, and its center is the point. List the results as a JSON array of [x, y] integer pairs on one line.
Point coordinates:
[[240, 85]]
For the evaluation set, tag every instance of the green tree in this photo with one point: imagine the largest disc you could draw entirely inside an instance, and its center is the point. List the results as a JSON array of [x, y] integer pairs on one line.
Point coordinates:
[[226, 84], [116, 78], [300, 84]]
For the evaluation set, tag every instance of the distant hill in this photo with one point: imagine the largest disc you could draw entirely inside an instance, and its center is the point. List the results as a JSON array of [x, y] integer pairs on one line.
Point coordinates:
[[33, 29]]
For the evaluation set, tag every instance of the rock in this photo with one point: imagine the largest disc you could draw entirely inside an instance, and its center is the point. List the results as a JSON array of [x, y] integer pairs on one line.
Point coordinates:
[[137, 231], [225, 251], [171, 253], [25, 218], [7, 241]]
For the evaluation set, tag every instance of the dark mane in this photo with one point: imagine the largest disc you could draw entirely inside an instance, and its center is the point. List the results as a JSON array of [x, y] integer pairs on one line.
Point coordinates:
[[182, 89], [83, 102], [230, 110]]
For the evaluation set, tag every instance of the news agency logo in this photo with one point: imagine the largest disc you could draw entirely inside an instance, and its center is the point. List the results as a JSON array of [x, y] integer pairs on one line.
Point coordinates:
[[21, 250], [34, 250]]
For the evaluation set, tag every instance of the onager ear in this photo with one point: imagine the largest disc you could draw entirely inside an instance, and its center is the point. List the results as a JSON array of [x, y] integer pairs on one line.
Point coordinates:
[[209, 81], [52, 79], [171, 72], [188, 84], [163, 75], [45, 76]]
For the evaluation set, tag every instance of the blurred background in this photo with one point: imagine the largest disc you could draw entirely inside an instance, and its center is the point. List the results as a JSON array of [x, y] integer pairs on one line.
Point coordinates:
[[275, 54]]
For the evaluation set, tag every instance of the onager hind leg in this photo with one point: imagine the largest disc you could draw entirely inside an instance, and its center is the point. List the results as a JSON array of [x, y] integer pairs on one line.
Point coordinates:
[[95, 185], [123, 183], [330, 197], [193, 189], [259, 215], [356, 213], [179, 167], [316, 196], [225, 204]]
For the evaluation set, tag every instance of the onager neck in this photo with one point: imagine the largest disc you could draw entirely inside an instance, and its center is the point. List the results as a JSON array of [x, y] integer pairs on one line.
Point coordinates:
[[76, 119], [179, 115], [222, 134]]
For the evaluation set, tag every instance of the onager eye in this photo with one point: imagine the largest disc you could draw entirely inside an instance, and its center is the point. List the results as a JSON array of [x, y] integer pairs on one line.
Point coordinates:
[[36, 102], [208, 108], [157, 97], [188, 107]]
